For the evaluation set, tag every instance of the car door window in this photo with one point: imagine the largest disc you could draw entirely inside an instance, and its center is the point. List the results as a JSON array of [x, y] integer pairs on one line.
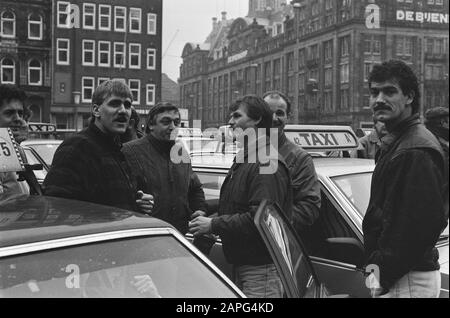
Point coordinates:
[[287, 252]]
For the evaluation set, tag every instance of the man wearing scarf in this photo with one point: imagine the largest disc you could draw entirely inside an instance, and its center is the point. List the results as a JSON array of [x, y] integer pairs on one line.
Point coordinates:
[[409, 192]]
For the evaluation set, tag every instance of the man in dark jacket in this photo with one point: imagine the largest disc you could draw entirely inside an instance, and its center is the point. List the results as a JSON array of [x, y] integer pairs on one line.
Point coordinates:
[[406, 212], [305, 186], [251, 179], [177, 191], [89, 166]]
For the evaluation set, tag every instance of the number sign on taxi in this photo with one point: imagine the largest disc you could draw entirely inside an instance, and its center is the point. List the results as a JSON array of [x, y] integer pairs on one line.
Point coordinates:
[[10, 159], [332, 139]]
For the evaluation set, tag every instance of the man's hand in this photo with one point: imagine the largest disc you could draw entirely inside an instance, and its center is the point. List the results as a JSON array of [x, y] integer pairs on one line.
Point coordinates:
[[200, 226], [144, 284], [197, 214], [145, 202]]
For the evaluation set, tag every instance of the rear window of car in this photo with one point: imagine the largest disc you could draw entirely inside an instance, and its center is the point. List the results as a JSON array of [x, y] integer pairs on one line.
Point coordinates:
[[149, 267], [356, 188]]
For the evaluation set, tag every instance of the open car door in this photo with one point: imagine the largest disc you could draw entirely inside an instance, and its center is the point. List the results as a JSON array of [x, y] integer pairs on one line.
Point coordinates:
[[295, 267]]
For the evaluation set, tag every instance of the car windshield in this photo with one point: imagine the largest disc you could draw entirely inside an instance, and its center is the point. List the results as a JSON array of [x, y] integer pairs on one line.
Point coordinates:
[[200, 145], [356, 188], [46, 151], [149, 267], [33, 160]]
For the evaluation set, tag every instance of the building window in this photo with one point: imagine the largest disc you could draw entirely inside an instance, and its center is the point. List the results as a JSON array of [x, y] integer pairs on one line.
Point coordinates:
[[367, 69], [119, 54], [34, 73], [62, 51], [150, 94], [88, 53], [434, 72], [120, 19], [301, 58], [8, 71], [87, 89], [151, 23], [63, 12], [328, 50], [89, 16], [104, 51], [301, 82], [135, 88], [35, 23], [345, 46], [328, 76], [404, 46], [151, 59], [135, 20], [344, 98], [134, 55], [345, 74], [104, 17], [101, 80], [8, 24], [372, 45]]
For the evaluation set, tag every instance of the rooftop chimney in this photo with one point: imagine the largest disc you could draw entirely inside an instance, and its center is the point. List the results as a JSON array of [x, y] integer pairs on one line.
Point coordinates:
[[214, 23], [224, 15]]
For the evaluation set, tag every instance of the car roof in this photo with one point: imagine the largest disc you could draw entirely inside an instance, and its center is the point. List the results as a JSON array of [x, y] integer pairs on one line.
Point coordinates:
[[342, 166], [324, 166], [28, 219], [41, 142]]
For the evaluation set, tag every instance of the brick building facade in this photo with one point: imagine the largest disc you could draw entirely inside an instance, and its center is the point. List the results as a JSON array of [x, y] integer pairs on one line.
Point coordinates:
[[99, 40], [25, 51], [319, 52]]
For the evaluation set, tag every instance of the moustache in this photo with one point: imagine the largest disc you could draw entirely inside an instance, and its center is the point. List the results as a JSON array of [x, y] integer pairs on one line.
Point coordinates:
[[122, 119], [382, 106]]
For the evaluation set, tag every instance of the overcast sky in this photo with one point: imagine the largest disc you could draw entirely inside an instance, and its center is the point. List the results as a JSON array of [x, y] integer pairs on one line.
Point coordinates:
[[191, 21]]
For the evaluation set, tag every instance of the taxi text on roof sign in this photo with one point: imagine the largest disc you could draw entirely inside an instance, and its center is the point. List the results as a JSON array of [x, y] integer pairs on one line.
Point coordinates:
[[325, 138], [10, 159], [41, 127]]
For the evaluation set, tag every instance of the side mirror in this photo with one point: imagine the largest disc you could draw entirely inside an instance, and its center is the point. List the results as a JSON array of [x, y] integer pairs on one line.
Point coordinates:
[[346, 250]]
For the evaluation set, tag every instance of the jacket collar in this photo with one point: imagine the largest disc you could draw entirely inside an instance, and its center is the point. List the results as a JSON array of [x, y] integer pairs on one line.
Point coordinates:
[[162, 146], [109, 141], [398, 130]]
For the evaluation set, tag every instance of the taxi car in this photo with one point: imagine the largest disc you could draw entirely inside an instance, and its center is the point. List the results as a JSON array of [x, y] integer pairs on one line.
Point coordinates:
[[58, 248], [345, 191]]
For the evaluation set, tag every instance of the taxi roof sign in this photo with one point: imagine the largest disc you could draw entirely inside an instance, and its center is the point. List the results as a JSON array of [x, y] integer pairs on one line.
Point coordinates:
[[322, 138], [42, 127], [10, 158]]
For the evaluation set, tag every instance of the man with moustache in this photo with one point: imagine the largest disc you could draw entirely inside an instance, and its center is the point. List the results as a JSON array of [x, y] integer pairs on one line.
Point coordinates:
[[406, 212], [370, 144], [90, 166], [12, 113], [176, 188], [306, 189]]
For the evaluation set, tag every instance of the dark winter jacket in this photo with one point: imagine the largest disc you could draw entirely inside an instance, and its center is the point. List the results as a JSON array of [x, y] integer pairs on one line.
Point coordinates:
[[176, 188], [90, 167], [406, 212], [244, 188]]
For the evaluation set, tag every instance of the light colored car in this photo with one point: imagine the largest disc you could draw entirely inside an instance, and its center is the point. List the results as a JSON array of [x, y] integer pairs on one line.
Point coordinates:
[[46, 148], [58, 248]]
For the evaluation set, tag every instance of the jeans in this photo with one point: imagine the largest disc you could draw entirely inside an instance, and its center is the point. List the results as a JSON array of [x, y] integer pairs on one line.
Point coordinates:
[[416, 285], [258, 281]]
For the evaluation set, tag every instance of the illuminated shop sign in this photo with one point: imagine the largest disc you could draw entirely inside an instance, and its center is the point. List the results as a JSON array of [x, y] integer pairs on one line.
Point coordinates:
[[422, 17]]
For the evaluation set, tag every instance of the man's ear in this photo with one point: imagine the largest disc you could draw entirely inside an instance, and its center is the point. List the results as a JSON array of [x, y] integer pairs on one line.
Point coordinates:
[[411, 97], [96, 111]]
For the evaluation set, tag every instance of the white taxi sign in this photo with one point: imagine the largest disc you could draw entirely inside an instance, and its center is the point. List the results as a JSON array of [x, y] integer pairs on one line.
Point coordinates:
[[42, 127], [10, 159], [322, 137]]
